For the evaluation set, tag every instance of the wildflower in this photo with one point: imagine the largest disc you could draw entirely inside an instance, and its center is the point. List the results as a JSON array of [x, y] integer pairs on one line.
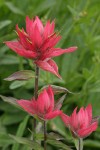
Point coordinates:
[[43, 107], [37, 43], [81, 124]]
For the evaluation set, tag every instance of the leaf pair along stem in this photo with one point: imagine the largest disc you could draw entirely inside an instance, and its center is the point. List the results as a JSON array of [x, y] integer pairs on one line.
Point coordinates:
[[36, 96]]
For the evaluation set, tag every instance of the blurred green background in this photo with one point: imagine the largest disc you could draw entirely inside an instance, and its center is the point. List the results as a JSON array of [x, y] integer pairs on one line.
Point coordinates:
[[79, 24]]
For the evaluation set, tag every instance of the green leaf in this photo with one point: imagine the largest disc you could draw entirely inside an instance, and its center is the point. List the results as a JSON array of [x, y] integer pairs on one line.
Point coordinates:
[[17, 84], [8, 108], [50, 136], [34, 145], [86, 73], [8, 118], [57, 89], [20, 131], [21, 75], [72, 10], [44, 5], [59, 144], [60, 101], [3, 50], [95, 87], [10, 100], [57, 125], [5, 139], [92, 144], [13, 8], [4, 23], [2, 128], [9, 60], [54, 136]]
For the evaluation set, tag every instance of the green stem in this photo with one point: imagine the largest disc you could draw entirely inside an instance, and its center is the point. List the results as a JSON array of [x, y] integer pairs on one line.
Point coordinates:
[[36, 82], [45, 136], [35, 92], [80, 144]]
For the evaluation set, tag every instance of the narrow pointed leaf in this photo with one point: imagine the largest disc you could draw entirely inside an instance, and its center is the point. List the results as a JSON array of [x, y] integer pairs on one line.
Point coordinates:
[[4, 23], [92, 144], [57, 89], [13, 8], [5, 139], [60, 101], [54, 136], [17, 84], [34, 145], [10, 100], [58, 144], [50, 136], [20, 132], [21, 75]]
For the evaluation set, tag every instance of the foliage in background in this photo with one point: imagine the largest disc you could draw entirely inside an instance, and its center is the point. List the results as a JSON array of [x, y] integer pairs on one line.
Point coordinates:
[[78, 22]]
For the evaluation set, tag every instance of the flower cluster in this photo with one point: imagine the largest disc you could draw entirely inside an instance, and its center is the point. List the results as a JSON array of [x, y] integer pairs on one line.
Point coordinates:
[[43, 106], [81, 124], [38, 43]]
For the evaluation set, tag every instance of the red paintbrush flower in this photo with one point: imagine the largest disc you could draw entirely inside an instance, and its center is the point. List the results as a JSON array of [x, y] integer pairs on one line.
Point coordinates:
[[81, 124], [38, 43], [43, 107]]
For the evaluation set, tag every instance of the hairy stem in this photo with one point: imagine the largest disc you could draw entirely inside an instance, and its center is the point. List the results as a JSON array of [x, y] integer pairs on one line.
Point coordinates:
[[36, 82], [80, 144], [45, 135], [35, 92]]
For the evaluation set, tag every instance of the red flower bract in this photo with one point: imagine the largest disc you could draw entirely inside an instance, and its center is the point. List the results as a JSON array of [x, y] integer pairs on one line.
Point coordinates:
[[38, 43], [43, 107], [81, 124]]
